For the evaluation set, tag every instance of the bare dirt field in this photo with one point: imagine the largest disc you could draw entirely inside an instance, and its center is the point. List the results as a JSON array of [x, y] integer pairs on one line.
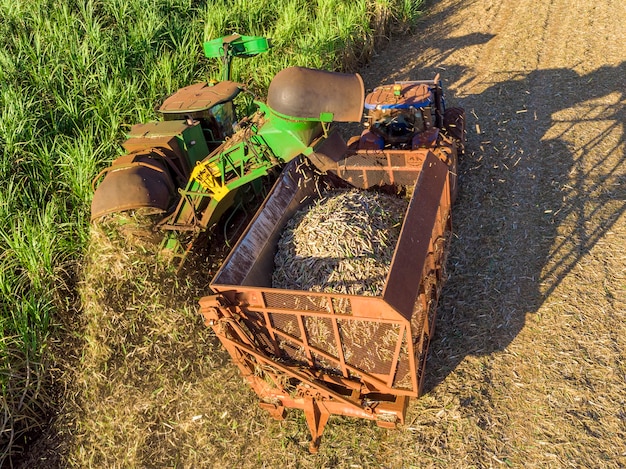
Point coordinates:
[[528, 366]]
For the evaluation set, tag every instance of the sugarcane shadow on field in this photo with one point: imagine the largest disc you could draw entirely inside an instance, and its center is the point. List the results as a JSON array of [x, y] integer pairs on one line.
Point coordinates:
[[542, 182]]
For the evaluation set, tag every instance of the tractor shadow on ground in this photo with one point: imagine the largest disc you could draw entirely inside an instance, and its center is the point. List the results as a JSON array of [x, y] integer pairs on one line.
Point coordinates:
[[534, 200], [542, 181]]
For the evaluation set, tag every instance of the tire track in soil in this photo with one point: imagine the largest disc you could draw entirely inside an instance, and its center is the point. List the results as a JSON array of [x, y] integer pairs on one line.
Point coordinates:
[[538, 224]]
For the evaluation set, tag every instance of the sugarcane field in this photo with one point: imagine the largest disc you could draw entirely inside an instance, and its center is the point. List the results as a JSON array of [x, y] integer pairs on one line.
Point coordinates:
[[313, 234]]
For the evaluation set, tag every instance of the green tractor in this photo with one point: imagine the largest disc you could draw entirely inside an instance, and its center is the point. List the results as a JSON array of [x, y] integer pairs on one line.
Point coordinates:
[[201, 161]]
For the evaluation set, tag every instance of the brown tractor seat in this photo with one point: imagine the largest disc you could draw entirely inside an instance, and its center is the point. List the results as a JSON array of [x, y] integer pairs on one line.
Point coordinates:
[[200, 97]]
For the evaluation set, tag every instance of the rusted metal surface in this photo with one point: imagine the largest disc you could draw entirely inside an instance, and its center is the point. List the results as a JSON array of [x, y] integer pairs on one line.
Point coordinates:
[[366, 168], [135, 181], [149, 175], [308, 93], [330, 353], [414, 94], [371, 357], [199, 97]]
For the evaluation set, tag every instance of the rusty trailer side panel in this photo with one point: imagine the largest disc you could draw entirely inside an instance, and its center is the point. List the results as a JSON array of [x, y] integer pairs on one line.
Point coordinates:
[[329, 353]]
